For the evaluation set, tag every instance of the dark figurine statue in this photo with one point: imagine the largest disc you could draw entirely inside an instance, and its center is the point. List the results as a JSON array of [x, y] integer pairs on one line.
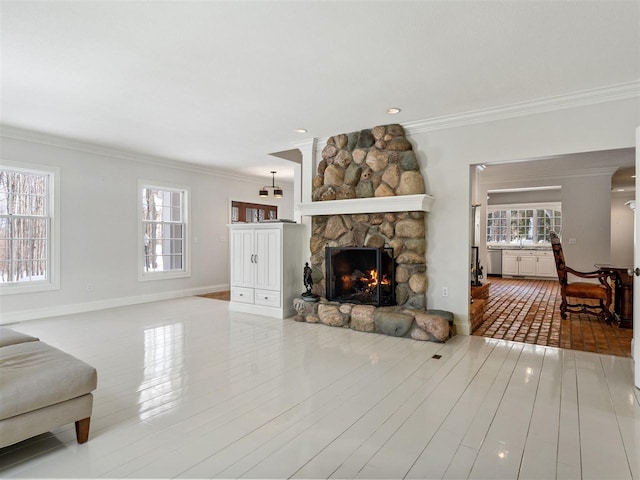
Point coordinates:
[[308, 283]]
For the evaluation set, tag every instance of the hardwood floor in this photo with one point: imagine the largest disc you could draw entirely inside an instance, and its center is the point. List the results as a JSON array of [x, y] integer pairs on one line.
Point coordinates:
[[218, 295], [188, 389], [528, 311]]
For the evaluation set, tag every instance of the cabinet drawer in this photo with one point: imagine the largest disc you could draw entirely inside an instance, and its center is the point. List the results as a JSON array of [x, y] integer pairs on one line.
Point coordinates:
[[268, 298], [519, 253], [240, 294], [545, 253]]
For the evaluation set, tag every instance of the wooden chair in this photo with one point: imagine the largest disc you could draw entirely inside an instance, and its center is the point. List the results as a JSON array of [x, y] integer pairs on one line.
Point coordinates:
[[601, 292]]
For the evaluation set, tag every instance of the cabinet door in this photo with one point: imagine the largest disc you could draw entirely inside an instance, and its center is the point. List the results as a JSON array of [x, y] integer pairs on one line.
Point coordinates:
[[509, 265], [268, 259], [546, 266], [242, 256], [527, 265]]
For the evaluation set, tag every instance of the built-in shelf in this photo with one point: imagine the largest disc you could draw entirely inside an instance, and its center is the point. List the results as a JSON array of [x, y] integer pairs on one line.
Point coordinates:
[[399, 203]]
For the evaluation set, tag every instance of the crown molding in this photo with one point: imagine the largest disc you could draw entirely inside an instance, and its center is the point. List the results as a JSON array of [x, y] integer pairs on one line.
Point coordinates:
[[16, 133], [594, 96]]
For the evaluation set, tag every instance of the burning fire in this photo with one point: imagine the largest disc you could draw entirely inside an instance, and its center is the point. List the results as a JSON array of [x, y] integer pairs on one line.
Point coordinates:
[[364, 281], [373, 279]]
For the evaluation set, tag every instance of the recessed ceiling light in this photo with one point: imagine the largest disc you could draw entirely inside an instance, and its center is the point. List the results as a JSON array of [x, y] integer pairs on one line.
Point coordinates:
[[393, 110], [300, 130]]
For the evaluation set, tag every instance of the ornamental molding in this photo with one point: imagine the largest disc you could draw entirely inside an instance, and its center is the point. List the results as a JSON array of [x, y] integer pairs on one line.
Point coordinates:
[[582, 98], [15, 133]]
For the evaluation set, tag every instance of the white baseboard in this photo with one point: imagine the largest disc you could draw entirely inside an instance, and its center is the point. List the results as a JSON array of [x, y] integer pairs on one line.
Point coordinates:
[[462, 328], [56, 311]]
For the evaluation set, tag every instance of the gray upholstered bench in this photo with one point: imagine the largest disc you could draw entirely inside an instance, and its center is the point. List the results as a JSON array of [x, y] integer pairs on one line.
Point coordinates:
[[41, 388]]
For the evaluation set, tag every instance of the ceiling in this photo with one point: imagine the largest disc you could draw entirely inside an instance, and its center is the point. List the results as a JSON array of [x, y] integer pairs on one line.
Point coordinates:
[[225, 83]]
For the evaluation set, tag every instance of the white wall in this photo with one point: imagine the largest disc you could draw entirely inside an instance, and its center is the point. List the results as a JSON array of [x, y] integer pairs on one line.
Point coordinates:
[[446, 154], [538, 196], [98, 213], [586, 221], [621, 229]]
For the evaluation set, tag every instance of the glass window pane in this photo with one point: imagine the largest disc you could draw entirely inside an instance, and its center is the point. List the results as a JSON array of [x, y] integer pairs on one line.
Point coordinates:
[[23, 240], [176, 231], [164, 229], [176, 214]]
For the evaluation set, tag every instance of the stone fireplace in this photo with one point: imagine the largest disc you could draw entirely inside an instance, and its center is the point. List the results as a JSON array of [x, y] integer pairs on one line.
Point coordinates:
[[369, 195]]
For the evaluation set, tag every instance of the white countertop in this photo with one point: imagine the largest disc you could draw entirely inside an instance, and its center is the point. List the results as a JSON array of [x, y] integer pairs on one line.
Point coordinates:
[[515, 247]]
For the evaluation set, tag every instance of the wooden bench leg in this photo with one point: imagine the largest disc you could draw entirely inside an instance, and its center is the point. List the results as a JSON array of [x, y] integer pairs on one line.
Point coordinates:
[[82, 430]]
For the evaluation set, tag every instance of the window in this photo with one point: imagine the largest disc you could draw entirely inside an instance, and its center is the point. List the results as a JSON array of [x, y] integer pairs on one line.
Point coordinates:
[[27, 230], [164, 232], [252, 212], [523, 224]]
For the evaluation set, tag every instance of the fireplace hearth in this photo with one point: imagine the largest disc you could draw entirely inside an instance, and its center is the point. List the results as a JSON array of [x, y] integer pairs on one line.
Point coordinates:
[[361, 275]]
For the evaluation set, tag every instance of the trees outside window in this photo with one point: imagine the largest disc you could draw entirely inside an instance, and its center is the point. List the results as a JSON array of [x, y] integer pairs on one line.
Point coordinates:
[[164, 231], [529, 226], [25, 226]]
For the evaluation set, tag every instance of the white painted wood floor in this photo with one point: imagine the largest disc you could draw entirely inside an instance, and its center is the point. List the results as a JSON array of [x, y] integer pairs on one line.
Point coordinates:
[[188, 389]]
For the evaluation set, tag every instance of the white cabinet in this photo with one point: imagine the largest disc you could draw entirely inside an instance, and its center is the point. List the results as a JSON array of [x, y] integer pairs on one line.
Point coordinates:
[[519, 262], [545, 265], [268, 258], [242, 264], [266, 270], [528, 263]]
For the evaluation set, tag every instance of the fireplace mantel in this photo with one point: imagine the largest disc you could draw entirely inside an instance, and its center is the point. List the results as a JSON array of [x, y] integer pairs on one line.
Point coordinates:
[[399, 203]]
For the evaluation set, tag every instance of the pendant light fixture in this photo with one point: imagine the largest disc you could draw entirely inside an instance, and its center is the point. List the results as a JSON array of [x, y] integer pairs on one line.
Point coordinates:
[[277, 191]]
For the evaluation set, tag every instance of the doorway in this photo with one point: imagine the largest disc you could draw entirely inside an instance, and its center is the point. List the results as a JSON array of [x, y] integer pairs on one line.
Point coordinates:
[[245, 212], [527, 309]]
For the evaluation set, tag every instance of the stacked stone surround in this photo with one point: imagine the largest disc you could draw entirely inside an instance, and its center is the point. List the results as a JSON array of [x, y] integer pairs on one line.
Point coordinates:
[[430, 325], [404, 232], [379, 162]]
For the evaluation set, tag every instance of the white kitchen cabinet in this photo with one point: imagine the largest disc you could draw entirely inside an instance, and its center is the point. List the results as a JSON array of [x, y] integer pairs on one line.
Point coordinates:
[[545, 265], [528, 263], [266, 270], [509, 264]]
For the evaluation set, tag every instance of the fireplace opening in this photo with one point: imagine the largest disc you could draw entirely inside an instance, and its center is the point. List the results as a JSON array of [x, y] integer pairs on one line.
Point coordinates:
[[360, 275]]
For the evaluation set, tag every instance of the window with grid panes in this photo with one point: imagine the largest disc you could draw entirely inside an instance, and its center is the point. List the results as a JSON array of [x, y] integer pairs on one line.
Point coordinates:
[[25, 228], [164, 231], [523, 226], [497, 226]]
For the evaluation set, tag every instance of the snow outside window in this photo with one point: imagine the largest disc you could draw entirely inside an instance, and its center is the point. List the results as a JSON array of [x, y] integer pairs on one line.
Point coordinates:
[[164, 232], [26, 224]]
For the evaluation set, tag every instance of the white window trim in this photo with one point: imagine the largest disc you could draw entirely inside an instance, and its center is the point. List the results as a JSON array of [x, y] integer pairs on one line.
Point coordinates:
[[526, 206], [53, 254], [523, 206], [186, 272]]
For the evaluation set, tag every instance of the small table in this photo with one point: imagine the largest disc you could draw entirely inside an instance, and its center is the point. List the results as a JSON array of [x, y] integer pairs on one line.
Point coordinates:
[[623, 293]]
